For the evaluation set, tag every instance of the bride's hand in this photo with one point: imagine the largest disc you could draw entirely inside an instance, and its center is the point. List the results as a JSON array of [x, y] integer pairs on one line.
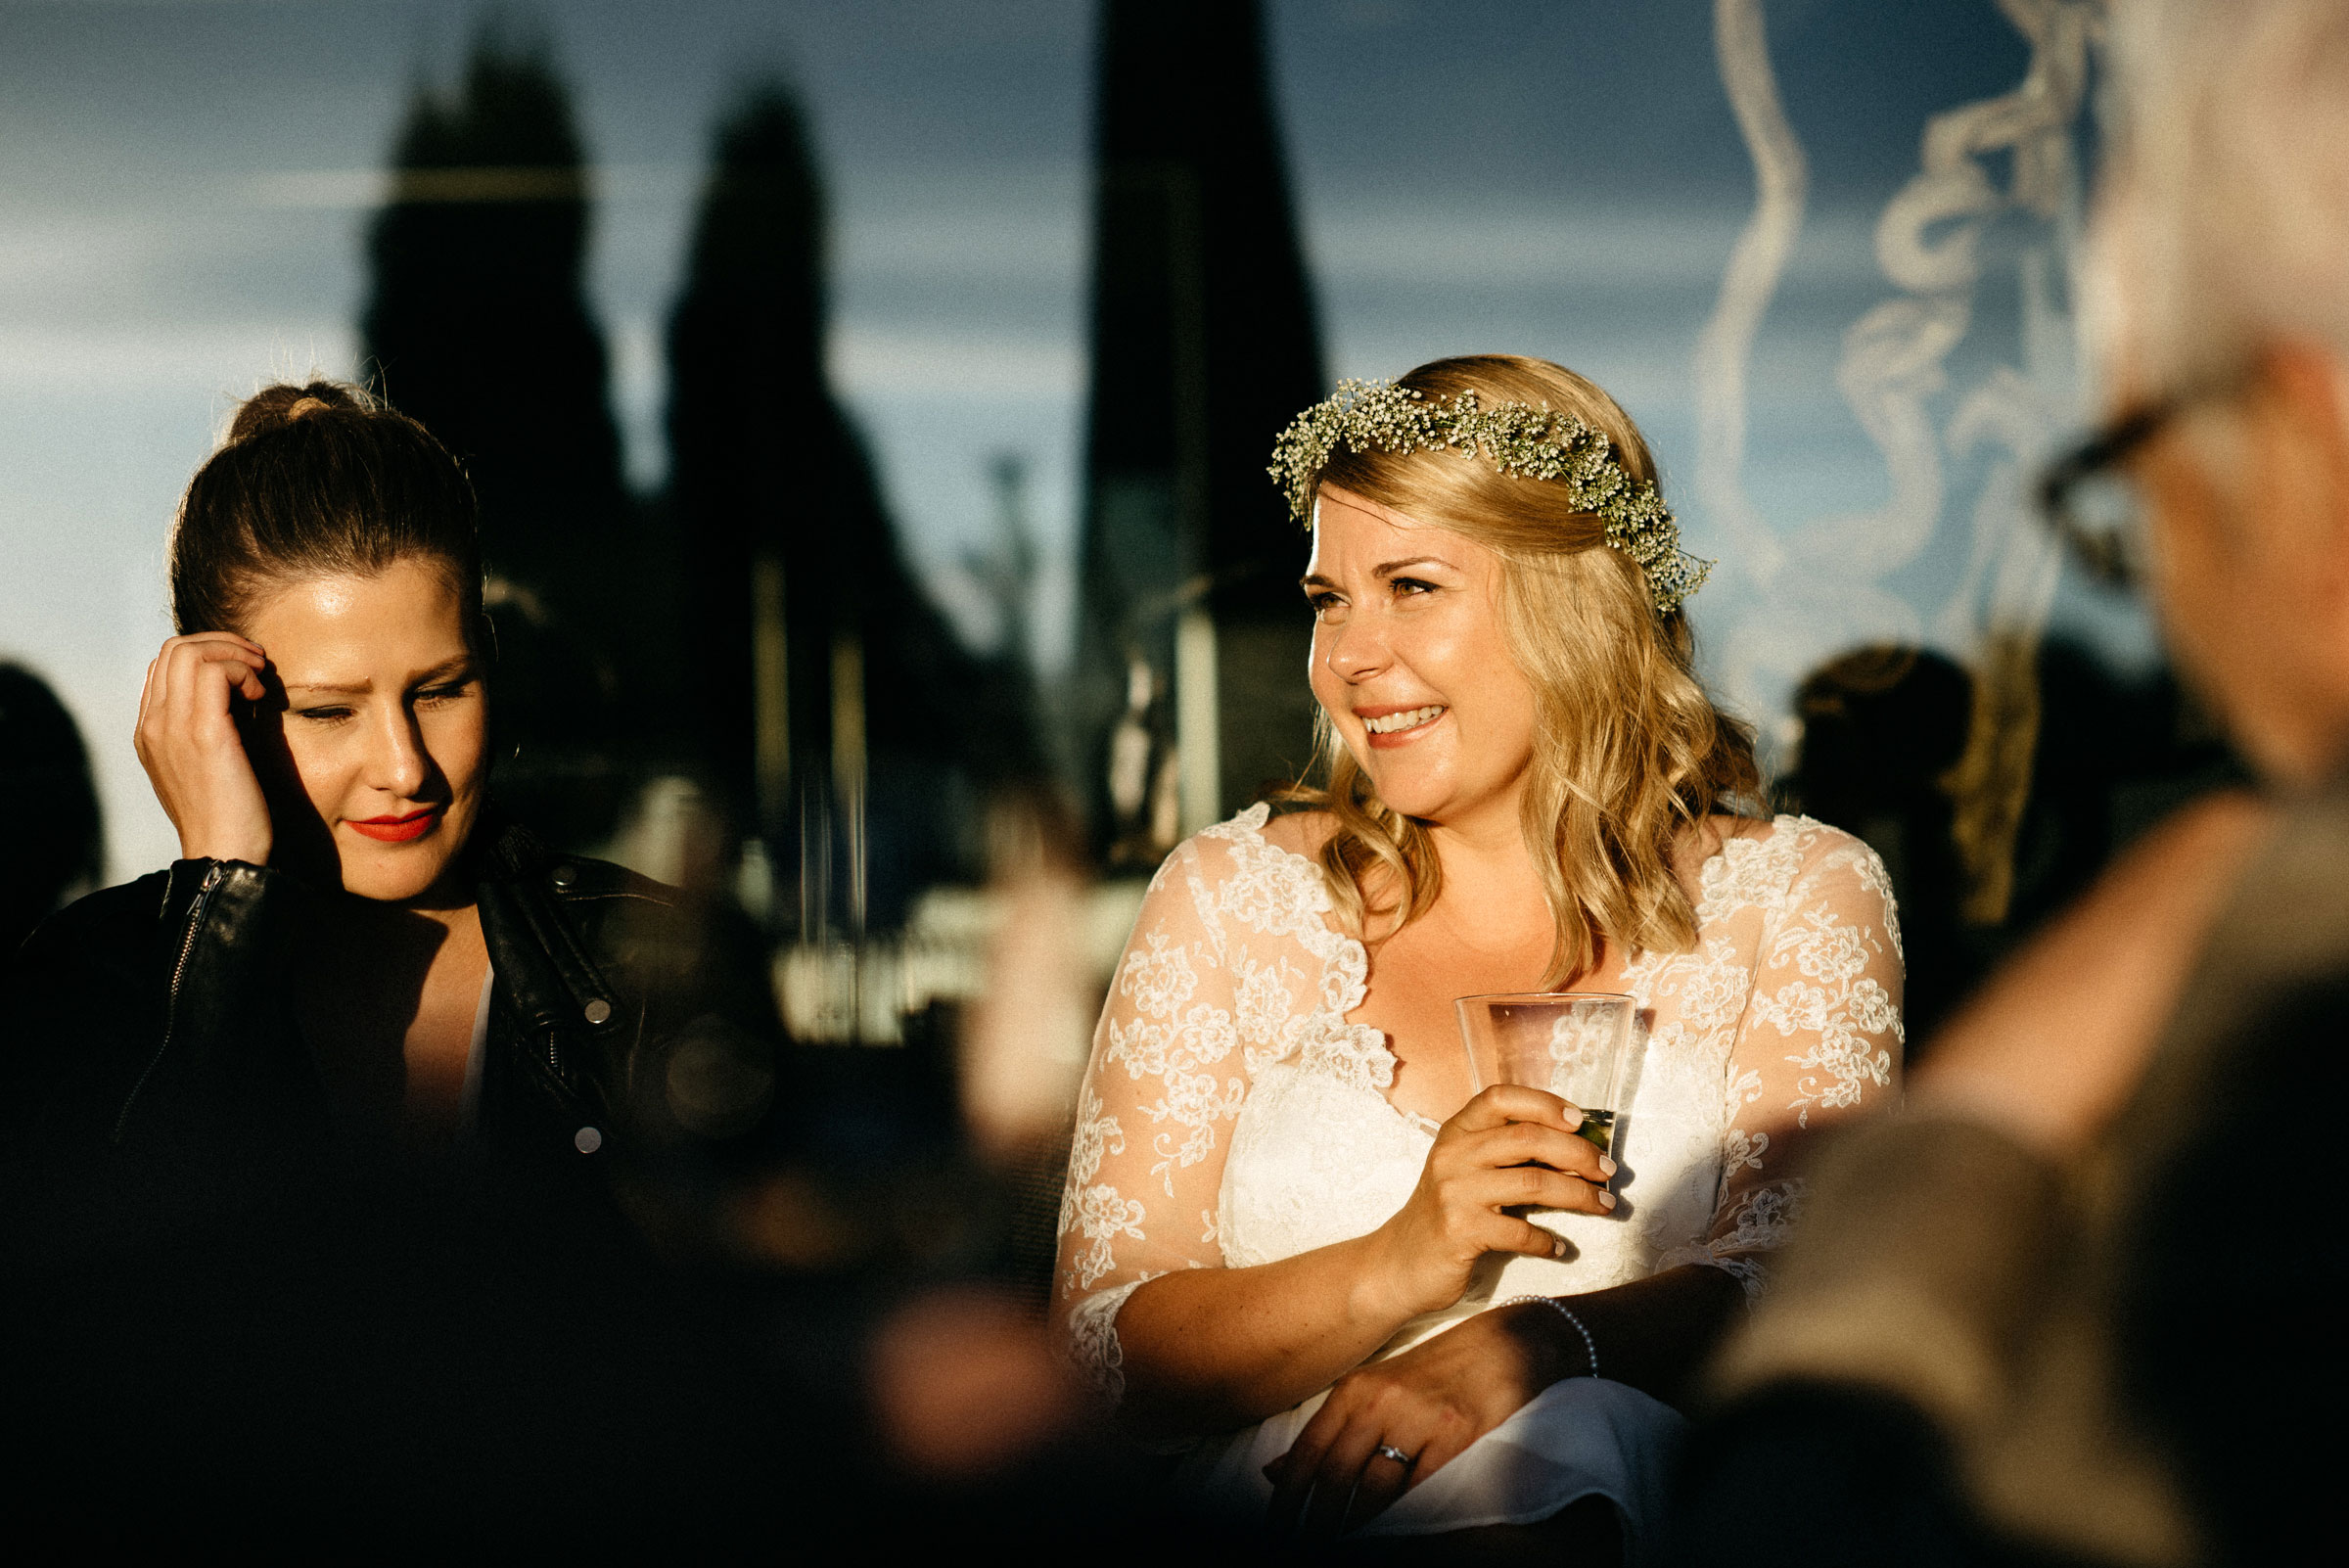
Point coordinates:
[[1427, 1403], [1509, 1147], [188, 742]]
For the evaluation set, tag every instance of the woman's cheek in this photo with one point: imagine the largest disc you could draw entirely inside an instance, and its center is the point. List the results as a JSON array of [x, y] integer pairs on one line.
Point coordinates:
[[315, 778]]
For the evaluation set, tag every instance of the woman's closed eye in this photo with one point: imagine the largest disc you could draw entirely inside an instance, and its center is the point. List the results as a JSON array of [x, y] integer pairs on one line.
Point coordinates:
[[332, 712], [449, 691]]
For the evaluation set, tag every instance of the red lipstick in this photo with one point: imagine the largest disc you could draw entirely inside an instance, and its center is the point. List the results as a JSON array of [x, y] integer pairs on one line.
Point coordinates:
[[398, 829]]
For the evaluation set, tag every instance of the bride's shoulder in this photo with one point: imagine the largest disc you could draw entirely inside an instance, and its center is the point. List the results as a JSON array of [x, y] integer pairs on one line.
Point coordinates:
[[1301, 830], [1771, 856]]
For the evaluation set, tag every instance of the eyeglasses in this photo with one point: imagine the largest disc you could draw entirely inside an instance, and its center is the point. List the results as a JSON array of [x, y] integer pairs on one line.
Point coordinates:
[[2089, 501]]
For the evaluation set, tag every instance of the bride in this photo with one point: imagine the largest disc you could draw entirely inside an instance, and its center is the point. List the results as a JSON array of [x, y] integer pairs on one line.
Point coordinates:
[[1293, 1244]]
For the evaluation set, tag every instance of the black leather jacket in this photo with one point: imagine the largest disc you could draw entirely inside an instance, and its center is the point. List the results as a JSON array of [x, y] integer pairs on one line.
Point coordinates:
[[158, 1015]]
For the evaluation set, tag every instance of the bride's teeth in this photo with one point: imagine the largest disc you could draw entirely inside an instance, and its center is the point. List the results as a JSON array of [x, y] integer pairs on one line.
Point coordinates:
[[1408, 721]]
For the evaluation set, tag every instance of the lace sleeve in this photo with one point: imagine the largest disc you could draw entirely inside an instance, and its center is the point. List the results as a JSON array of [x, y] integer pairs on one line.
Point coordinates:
[[1153, 1114], [1821, 1039]]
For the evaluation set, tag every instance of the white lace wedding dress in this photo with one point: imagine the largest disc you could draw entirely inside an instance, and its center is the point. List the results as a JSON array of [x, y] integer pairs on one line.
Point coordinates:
[[1232, 1116]]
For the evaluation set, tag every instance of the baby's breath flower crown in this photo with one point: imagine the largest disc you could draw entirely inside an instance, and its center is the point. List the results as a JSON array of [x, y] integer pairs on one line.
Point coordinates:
[[1519, 439]]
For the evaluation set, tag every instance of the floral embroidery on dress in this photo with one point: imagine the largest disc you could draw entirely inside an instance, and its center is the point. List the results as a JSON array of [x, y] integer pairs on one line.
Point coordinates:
[[1786, 1014], [1091, 1338]]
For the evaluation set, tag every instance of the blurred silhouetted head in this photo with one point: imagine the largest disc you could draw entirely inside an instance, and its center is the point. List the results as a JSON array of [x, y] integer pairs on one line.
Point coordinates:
[[44, 779], [2219, 281], [1881, 725]]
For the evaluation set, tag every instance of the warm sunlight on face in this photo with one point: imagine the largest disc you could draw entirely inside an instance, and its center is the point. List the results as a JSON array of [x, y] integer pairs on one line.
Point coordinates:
[[1411, 664], [385, 726]]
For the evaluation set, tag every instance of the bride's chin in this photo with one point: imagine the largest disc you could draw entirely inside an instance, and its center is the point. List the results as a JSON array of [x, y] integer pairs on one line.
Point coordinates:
[[1412, 793]]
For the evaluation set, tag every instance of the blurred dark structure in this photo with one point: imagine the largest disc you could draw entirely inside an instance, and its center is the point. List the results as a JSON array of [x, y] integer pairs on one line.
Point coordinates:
[[835, 714], [478, 325], [45, 786], [1994, 797], [1192, 644], [2112, 756], [1884, 728]]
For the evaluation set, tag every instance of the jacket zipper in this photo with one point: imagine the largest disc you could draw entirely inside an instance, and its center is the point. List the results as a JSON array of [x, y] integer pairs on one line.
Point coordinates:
[[179, 972]]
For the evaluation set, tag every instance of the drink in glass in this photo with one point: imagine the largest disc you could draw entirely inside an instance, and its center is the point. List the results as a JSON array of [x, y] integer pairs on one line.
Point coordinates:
[[1574, 1044]]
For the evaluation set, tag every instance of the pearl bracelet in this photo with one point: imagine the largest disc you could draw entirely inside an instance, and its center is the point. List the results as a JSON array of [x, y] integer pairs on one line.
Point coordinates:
[[1590, 1344]]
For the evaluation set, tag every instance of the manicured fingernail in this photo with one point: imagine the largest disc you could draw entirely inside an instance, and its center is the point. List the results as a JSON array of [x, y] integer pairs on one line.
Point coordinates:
[[1557, 1248], [1606, 1200], [1606, 1167]]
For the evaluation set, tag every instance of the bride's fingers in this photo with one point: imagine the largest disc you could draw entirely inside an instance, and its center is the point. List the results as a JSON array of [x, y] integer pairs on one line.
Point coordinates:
[[1518, 1142], [1382, 1479], [1344, 1468], [1537, 1187], [1292, 1474], [1503, 1103]]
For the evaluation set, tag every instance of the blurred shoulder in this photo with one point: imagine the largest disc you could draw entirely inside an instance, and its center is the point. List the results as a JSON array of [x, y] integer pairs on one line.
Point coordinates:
[[116, 919]]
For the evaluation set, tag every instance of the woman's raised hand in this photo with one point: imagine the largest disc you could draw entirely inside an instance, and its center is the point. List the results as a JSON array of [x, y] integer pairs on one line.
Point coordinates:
[[188, 742], [1509, 1147]]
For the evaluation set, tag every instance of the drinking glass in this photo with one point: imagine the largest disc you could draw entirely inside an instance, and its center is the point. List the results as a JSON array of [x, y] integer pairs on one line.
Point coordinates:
[[1574, 1044]]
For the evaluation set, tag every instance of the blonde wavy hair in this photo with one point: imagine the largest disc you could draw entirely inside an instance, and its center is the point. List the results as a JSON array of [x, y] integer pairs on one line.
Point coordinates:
[[1629, 749]]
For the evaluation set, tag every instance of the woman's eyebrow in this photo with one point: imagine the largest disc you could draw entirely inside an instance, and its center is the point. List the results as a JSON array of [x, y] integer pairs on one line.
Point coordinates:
[[1386, 569], [445, 669]]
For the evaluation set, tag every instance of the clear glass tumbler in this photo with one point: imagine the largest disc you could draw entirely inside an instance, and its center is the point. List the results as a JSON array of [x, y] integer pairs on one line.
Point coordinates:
[[1574, 1044]]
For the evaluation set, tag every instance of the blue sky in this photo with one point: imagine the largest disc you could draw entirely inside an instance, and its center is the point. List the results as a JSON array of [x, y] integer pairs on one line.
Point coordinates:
[[183, 186]]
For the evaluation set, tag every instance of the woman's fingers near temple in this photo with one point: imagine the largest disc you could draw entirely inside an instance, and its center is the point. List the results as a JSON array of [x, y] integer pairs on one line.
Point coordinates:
[[237, 660]]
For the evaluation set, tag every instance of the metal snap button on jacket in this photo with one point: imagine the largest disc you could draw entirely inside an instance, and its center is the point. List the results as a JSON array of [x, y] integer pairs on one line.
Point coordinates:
[[598, 1010], [565, 875], [587, 1139]]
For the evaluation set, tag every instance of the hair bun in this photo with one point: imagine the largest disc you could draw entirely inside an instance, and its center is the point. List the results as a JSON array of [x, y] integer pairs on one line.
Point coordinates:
[[275, 407]]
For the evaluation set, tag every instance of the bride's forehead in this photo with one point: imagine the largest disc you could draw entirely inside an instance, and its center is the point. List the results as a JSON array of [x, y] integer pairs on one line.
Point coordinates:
[[1352, 538]]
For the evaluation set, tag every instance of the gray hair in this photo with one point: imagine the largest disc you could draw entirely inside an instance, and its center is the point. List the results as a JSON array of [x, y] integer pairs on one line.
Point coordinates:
[[2225, 217]]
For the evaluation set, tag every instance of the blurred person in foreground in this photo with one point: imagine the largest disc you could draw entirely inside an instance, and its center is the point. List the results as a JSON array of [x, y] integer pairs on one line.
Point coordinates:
[[44, 778], [307, 1135], [1294, 1245], [2077, 1305]]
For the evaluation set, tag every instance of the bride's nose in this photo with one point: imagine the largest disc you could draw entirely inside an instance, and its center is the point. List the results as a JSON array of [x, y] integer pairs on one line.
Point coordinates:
[[1356, 649]]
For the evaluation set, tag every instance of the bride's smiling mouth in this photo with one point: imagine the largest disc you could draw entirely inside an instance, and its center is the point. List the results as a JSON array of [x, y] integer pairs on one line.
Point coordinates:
[[1400, 726]]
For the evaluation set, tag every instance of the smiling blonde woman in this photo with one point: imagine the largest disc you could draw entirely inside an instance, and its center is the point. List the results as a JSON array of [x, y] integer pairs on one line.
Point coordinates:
[[1294, 1244]]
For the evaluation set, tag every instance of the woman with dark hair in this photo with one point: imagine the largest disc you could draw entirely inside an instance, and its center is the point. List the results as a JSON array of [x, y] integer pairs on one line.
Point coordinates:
[[352, 951]]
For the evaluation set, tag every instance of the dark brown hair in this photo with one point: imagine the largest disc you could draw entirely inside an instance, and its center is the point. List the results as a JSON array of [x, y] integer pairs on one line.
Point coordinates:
[[319, 480]]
